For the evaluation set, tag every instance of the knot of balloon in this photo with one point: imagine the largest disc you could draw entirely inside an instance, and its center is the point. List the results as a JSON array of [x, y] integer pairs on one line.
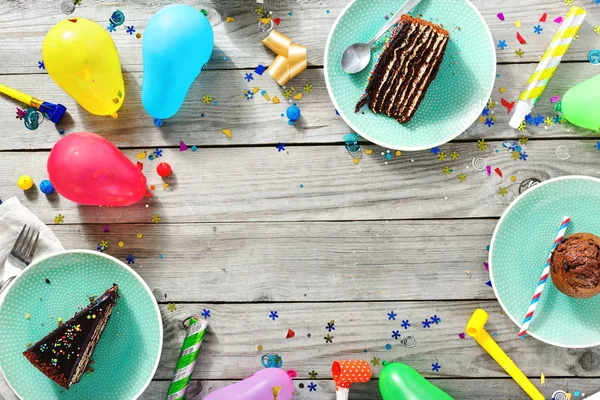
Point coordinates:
[[347, 372], [290, 60]]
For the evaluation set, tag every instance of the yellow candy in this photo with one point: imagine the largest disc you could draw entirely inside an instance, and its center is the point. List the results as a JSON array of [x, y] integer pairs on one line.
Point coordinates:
[[25, 182], [502, 90], [369, 151], [398, 153], [356, 161], [121, 244]]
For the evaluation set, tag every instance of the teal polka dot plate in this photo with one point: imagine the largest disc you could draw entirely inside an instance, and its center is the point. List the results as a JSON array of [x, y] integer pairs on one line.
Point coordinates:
[[127, 354], [519, 250], [455, 98]]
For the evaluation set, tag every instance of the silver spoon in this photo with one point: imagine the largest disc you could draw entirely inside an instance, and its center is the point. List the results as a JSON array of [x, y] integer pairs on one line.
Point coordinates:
[[356, 57]]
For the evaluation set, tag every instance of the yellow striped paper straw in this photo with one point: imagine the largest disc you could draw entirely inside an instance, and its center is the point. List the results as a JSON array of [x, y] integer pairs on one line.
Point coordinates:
[[539, 80]]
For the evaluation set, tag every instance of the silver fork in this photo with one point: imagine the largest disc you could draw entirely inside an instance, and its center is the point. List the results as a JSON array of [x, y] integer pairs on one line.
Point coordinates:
[[20, 256]]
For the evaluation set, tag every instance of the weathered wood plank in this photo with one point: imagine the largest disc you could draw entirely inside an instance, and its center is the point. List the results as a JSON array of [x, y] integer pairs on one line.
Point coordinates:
[[255, 121], [262, 184], [230, 350], [302, 262], [459, 389], [24, 24]]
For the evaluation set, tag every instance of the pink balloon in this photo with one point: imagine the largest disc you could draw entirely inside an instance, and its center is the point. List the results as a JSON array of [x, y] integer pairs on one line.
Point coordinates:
[[88, 169], [257, 387]]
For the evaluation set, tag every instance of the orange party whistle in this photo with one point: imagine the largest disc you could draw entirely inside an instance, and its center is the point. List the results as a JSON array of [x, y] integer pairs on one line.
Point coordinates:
[[347, 372]]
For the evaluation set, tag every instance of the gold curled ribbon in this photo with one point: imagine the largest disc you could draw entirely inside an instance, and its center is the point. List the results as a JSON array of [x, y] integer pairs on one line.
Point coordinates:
[[290, 60]]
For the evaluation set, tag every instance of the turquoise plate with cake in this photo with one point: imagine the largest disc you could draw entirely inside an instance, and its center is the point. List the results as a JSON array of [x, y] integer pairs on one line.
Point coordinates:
[[454, 99], [127, 355], [518, 252]]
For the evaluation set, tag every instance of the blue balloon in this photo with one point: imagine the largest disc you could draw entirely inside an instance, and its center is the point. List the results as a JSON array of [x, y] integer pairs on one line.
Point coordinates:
[[178, 42]]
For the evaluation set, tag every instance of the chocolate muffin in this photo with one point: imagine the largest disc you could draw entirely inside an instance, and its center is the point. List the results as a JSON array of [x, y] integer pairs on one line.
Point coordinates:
[[575, 265]]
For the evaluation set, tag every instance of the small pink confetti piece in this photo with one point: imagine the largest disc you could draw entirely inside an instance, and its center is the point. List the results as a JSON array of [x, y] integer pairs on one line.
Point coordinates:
[[558, 20], [105, 228], [461, 335], [543, 18], [489, 170], [554, 99], [521, 39], [497, 170], [487, 266], [500, 16], [182, 146]]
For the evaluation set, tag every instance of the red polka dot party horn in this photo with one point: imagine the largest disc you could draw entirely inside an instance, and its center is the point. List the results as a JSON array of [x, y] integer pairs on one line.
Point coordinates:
[[347, 372]]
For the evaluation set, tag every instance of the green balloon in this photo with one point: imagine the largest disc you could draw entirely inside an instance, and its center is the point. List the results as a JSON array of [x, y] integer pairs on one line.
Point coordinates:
[[580, 104], [400, 382]]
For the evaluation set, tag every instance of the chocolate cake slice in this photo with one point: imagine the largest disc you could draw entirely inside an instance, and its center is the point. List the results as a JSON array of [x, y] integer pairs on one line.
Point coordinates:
[[63, 355], [405, 69]]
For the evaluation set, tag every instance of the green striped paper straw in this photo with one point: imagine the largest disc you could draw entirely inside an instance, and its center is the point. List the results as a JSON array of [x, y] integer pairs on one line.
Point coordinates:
[[187, 358]]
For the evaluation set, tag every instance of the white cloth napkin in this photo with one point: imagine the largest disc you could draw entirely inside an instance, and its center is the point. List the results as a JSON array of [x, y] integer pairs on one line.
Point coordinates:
[[13, 215]]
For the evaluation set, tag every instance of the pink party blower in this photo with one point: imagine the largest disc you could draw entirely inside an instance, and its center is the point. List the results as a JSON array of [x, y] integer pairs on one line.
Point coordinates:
[[347, 372], [266, 384], [540, 286]]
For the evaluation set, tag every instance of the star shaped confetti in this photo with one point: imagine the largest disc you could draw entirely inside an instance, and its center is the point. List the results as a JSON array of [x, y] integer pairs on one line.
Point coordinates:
[[131, 30], [308, 88], [522, 126], [489, 122], [157, 153], [597, 29], [313, 374], [392, 316], [375, 361], [568, 3], [514, 155], [280, 147], [405, 324], [557, 119], [503, 191], [77, 2], [330, 327], [523, 140], [312, 387], [395, 334], [519, 53], [523, 156], [538, 29], [104, 245], [328, 338], [435, 151], [548, 121], [485, 112], [156, 218], [130, 259], [481, 145], [446, 170], [273, 315], [249, 94], [206, 99], [111, 27], [491, 104], [426, 323], [41, 65], [288, 93], [435, 367], [205, 313], [441, 156], [248, 76], [502, 44], [462, 177], [59, 219], [454, 156], [171, 307], [435, 319]]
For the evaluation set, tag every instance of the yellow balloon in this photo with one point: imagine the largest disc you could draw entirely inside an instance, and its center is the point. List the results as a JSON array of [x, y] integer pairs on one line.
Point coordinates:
[[81, 58]]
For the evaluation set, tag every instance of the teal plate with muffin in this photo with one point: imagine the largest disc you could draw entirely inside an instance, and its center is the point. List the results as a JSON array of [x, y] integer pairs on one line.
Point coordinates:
[[519, 250], [454, 99], [127, 355]]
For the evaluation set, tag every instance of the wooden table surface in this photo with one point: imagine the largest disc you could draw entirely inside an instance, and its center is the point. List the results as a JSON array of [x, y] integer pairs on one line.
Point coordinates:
[[246, 230]]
